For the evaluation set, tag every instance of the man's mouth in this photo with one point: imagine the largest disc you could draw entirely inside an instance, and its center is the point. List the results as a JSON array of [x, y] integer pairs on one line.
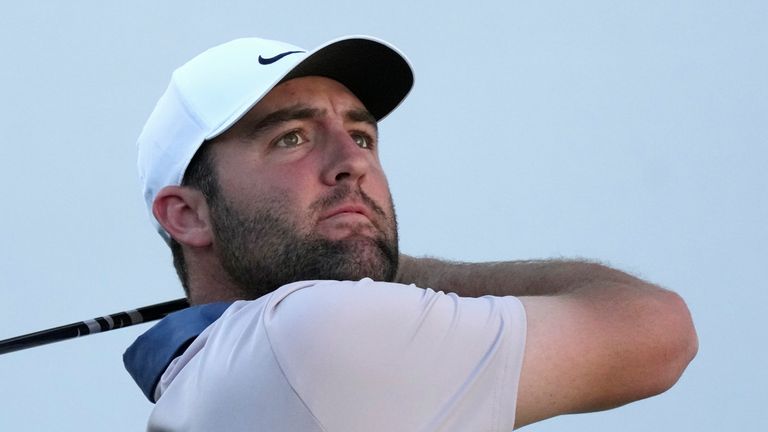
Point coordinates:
[[351, 212]]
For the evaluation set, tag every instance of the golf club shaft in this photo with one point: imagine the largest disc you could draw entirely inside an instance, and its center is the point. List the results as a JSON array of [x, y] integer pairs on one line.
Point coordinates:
[[96, 325]]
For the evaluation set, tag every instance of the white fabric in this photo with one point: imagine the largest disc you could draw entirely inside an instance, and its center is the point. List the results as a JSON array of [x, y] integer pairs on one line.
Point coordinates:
[[350, 356]]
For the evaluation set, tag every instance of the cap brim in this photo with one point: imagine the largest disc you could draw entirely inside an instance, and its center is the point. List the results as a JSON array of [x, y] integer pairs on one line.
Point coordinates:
[[376, 72]]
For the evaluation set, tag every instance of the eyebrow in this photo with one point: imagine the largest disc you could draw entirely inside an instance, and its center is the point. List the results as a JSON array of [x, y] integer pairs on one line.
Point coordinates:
[[301, 112], [296, 112], [362, 116]]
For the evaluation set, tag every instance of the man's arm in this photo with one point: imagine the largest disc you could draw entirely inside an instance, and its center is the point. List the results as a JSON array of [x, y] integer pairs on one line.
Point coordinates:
[[505, 278], [597, 338]]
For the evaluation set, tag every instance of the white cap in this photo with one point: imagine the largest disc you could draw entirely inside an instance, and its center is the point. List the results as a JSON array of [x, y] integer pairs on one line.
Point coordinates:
[[211, 92]]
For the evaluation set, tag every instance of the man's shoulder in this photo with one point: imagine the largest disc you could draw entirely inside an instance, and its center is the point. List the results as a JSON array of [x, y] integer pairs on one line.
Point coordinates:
[[339, 344], [349, 318]]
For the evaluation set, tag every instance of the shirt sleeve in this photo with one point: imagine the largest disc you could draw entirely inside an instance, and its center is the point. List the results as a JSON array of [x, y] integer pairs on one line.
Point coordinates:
[[381, 356]]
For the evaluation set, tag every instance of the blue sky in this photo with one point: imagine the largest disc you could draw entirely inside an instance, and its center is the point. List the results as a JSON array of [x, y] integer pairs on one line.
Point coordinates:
[[633, 133]]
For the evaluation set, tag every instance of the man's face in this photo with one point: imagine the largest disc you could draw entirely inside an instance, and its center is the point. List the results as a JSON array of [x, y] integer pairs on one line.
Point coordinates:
[[301, 192]]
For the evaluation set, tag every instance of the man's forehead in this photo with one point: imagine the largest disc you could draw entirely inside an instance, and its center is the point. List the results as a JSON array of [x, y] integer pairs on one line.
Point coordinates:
[[304, 89], [311, 95]]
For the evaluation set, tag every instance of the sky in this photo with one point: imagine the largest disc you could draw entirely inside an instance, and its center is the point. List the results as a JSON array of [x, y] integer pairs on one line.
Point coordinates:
[[632, 133]]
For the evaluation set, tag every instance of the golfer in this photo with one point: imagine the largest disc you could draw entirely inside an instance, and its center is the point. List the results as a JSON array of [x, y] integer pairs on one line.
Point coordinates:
[[260, 166]]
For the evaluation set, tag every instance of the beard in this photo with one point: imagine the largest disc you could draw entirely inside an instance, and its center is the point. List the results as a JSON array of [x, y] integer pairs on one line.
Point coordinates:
[[264, 248]]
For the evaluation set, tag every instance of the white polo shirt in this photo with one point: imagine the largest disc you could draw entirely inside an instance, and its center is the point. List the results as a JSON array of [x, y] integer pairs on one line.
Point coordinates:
[[349, 356]]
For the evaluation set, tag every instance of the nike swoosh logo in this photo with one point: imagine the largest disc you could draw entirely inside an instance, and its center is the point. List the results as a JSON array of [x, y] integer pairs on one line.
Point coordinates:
[[266, 61]]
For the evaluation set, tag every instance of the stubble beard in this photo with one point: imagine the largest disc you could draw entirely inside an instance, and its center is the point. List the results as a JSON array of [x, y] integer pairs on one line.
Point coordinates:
[[264, 248]]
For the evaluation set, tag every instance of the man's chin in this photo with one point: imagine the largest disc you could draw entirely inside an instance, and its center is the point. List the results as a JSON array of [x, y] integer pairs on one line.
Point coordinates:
[[363, 256]]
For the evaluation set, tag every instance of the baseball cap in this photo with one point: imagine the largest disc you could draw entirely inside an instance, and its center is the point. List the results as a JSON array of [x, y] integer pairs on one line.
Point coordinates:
[[211, 92]]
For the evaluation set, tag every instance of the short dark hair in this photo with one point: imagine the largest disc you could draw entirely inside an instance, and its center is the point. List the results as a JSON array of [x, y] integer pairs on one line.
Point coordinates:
[[200, 175]]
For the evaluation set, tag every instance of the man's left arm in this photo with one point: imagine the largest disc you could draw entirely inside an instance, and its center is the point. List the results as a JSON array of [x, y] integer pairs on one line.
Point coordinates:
[[597, 338], [507, 278]]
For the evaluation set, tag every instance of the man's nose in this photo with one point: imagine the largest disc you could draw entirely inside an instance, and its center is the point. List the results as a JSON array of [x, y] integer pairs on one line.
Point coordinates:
[[345, 159]]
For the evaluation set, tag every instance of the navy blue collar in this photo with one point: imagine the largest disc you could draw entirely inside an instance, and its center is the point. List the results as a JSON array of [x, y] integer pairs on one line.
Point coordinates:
[[148, 357]]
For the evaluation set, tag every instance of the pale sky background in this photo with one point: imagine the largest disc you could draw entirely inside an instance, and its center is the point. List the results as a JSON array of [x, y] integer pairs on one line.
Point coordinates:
[[631, 132]]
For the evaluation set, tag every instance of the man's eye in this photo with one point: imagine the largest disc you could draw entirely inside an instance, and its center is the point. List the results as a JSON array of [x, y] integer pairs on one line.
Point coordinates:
[[363, 140], [291, 139]]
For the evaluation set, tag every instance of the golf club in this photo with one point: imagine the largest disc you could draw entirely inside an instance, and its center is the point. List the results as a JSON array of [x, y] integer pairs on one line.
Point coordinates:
[[96, 325]]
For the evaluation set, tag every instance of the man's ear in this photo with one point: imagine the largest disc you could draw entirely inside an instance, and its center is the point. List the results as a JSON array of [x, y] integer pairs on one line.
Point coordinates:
[[184, 213]]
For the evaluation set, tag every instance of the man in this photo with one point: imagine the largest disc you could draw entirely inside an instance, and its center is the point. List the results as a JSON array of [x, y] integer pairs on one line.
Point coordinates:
[[260, 166]]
